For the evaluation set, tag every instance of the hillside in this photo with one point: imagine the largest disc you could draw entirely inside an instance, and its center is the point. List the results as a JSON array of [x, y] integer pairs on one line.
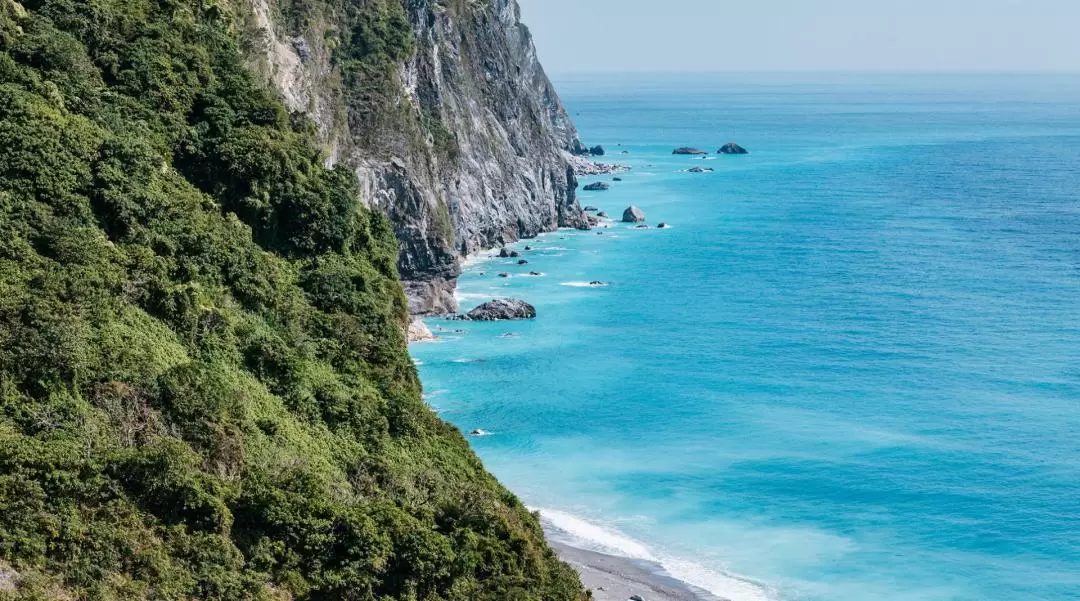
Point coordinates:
[[204, 386]]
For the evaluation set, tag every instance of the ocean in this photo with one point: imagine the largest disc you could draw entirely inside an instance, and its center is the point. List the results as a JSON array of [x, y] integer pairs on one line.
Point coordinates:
[[848, 371]]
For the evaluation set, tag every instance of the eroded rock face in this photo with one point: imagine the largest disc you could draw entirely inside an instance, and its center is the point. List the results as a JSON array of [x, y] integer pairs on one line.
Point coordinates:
[[470, 145], [502, 309]]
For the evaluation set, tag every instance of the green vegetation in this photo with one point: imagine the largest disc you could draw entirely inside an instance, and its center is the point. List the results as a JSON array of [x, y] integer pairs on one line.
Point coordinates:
[[204, 389]]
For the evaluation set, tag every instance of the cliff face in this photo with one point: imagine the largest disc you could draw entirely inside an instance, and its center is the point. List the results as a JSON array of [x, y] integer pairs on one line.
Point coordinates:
[[463, 142]]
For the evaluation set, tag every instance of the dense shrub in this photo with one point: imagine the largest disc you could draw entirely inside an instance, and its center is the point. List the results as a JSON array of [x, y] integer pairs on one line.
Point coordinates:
[[204, 389]]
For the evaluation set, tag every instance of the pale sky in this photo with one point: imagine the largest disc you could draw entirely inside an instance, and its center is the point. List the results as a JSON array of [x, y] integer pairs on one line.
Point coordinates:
[[805, 35]]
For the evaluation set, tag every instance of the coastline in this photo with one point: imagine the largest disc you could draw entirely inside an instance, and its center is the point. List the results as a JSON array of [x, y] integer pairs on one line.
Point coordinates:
[[614, 578]]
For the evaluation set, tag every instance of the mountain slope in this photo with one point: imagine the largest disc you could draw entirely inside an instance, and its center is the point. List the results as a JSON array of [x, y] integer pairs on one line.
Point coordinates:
[[204, 387]]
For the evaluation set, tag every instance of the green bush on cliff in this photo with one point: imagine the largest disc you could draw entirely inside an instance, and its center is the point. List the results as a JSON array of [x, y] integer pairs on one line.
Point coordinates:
[[204, 389]]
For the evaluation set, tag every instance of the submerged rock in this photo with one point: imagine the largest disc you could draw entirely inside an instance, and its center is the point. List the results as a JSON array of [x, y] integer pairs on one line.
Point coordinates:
[[633, 214], [479, 432], [732, 148], [700, 170], [502, 309], [641, 227], [688, 150], [523, 262], [528, 248], [662, 226], [596, 187], [504, 275], [616, 179]]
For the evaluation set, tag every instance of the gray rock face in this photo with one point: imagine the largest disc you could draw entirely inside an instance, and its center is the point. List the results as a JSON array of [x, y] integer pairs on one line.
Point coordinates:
[[732, 148], [502, 309], [597, 187], [468, 149], [688, 150], [633, 215]]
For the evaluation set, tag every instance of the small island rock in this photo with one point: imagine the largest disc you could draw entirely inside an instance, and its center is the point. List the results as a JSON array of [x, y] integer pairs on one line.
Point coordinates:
[[662, 226], [597, 151], [700, 170], [633, 215], [688, 150], [502, 309], [596, 187], [732, 148]]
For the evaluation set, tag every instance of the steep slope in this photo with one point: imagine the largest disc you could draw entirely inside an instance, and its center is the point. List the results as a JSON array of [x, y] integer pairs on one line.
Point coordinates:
[[461, 139], [204, 387]]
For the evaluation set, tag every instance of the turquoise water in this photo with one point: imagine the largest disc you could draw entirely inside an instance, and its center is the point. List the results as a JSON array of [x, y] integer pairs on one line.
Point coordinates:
[[849, 371]]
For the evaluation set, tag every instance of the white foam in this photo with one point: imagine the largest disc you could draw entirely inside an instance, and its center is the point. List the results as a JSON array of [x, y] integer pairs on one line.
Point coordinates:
[[582, 285], [612, 542], [597, 538]]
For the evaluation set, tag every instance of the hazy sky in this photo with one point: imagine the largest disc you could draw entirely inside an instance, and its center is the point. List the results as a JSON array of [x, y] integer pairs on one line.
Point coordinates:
[[805, 35]]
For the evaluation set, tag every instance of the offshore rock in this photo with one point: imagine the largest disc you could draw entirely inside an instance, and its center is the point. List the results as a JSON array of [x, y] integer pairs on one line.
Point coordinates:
[[501, 309], [597, 187], [732, 148], [689, 150], [633, 214], [597, 151]]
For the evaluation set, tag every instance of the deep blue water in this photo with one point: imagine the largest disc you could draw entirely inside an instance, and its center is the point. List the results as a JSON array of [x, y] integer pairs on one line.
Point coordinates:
[[850, 371]]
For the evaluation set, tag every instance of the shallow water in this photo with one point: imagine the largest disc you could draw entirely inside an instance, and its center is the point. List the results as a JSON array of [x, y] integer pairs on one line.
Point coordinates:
[[849, 371]]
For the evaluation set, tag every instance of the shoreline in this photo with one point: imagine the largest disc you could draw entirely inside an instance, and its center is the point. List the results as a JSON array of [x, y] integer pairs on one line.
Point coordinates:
[[614, 578]]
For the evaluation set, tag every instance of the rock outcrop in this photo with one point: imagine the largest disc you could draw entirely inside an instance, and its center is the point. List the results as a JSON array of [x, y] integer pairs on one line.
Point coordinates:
[[633, 215], [597, 151], [596, 187], [689, 150], [732, 148], [457, 134], [700, 170], [501, 309]]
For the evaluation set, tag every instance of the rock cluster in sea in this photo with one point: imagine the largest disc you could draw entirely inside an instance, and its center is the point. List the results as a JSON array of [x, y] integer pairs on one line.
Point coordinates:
[[597, 187], [583, 167]]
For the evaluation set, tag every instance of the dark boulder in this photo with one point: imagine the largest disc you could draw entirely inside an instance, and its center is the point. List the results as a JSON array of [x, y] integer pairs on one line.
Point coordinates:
[[591, 208], [732, 148], [616, 179], [502, 309], [662, 226], [506, 253], [688, 150], [597, 151], [597, 187], [641, 227], [633, 215], [602, 214], [504, 275], [700, 170], [523, 262]]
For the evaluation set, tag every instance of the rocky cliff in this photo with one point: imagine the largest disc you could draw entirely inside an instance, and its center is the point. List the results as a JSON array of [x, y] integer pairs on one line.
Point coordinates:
[[444, 112]]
